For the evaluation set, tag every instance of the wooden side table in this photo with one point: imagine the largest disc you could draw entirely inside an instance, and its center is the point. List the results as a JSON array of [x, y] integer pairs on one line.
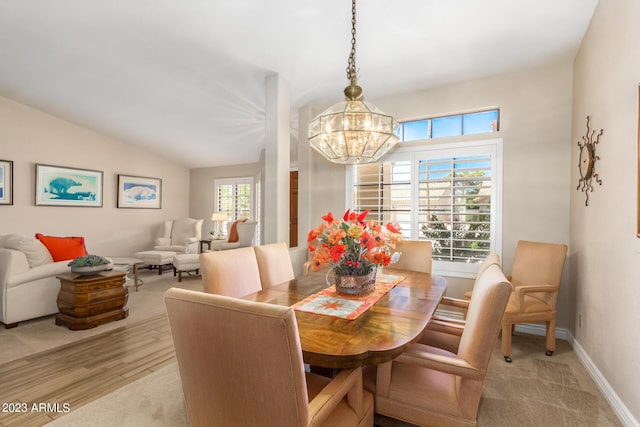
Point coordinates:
[[85, 302]]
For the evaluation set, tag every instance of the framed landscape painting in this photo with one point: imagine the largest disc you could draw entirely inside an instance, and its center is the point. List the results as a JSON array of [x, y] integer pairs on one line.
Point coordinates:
[[64, 186], [6, 182], [139, 192]]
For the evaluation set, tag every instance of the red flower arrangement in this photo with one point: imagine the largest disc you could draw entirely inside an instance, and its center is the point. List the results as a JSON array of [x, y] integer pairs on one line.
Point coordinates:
[[352, 245]]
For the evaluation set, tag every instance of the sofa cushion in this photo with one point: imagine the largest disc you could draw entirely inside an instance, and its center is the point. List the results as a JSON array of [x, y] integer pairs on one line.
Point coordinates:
[[35, 252], [63, 248]]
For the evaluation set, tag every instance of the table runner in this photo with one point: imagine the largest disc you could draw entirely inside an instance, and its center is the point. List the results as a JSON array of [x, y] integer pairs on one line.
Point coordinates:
[[349, 307]]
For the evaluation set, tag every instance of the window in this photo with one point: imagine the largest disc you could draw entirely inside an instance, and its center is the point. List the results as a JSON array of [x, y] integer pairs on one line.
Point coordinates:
[[455, 125], [448, 194], [235, 197]]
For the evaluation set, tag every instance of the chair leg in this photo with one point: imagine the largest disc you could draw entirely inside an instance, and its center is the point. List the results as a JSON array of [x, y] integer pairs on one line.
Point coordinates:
[[551, 337], [506, 341]]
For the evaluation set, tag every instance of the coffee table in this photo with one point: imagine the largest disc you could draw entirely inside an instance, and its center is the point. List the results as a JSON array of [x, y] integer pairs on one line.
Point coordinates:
[[132, 263]]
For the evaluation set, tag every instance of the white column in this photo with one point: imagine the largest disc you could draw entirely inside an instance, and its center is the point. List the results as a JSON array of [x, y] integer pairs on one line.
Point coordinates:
[[277, 160]]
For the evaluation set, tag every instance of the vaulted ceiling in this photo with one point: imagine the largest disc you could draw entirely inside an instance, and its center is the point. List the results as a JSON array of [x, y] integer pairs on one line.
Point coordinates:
[[186, 78]]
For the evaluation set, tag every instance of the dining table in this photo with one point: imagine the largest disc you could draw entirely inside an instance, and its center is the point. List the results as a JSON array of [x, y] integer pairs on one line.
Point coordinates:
[[377, 335]]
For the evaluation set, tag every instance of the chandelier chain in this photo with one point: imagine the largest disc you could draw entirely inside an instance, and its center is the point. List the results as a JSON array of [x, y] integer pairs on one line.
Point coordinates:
[[351, 67]]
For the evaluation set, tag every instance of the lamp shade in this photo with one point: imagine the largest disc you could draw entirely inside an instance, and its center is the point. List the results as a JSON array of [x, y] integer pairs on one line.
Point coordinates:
[[353, 131], [219, 216]]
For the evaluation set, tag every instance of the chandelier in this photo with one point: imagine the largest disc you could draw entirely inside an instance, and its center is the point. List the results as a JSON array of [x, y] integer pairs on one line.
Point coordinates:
[[353, 131]]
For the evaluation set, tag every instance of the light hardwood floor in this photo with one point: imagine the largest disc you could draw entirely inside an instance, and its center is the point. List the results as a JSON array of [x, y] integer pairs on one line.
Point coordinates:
[[75, 374]]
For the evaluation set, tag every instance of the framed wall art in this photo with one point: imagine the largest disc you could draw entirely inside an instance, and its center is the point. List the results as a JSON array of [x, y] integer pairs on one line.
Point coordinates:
[[6, 182], [65, 186], [139, 192]]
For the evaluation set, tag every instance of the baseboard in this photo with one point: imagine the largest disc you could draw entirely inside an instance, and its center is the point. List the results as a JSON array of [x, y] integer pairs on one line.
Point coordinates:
[[618, 407]]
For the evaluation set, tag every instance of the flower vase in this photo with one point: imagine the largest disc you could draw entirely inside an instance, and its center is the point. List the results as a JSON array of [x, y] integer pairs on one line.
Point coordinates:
[[354, 284]]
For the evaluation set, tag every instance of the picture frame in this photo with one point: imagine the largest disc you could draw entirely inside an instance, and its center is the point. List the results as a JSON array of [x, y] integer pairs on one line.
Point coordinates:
[[139, 192], [6, 182], [67, 186]]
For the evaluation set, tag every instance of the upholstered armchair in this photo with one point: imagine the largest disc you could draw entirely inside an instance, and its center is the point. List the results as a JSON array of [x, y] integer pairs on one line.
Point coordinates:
[[274, 264], [240, 234], [240, 364], [232, 273], [536, 275], [415, 255], [179, 235], [428, 385]]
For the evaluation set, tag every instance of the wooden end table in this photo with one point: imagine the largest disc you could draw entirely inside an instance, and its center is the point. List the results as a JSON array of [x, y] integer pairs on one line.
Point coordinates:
[[85, 302]]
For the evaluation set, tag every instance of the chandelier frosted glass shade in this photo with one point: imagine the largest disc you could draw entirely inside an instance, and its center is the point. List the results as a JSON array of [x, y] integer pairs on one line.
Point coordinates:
[[353, 132]]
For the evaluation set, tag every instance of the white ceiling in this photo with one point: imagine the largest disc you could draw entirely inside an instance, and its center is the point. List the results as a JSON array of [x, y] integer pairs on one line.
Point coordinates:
[[186, 78]]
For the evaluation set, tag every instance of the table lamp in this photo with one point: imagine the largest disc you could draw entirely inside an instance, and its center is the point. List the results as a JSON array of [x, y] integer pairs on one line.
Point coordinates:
[[218, 217]]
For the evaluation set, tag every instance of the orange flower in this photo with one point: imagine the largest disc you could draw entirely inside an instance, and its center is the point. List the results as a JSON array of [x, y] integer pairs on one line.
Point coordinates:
[[336, 236], [329, 218], [336, 252], [313, 235], [394, 227]]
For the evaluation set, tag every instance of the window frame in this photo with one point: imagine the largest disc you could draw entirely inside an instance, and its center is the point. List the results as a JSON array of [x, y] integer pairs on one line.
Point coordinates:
[[427, 149]]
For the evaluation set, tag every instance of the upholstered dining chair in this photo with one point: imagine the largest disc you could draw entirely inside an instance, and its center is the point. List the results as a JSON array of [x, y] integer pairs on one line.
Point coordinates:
[[232, 273], [274, 264], [536, 275], [415, 256], [428, 385], [492, 258], [240, 364]]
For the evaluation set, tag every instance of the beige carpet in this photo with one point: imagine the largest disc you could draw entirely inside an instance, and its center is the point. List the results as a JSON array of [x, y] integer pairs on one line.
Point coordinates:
[[534, 390]]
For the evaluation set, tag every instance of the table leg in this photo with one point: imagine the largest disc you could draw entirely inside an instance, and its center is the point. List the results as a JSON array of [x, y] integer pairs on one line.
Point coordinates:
[[136, 281]]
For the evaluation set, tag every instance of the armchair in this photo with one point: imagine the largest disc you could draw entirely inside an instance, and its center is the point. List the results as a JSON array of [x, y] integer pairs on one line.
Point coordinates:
[[243, 237], [427, 385], [415, 255], [179, 235], [535, 276], [240, 364]]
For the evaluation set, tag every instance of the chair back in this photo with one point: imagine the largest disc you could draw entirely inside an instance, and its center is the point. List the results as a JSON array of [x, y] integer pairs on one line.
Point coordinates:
[[246, 233], [484, 317], [415, 256], [537, 263], [240, 362], [274, 264], [232, 273]]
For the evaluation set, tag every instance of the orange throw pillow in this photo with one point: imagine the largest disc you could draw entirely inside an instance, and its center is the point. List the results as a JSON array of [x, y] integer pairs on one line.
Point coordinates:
[[63, 248], [233, 231]]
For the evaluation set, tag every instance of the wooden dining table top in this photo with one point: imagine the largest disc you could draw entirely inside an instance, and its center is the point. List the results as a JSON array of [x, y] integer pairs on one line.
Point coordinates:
[[378, 335]]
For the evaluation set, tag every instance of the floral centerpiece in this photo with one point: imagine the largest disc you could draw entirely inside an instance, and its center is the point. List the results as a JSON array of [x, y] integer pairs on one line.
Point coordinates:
[[355, 248]]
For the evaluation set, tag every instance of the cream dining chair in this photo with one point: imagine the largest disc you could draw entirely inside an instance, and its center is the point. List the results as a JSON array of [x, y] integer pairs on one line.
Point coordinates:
[[274, 264], [233, 272], [536, 275], [432, 386], [241, 364], [415, 256]]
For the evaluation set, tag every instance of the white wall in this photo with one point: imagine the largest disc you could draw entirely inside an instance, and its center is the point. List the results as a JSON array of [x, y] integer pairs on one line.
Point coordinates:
[[604, 251], [29, 136], [535, 108], [202, 192]]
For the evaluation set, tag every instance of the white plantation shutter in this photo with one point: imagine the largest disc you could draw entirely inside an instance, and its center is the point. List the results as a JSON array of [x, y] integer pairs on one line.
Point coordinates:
[[235, 197], [385, 189], [450, 195], [455, 207]]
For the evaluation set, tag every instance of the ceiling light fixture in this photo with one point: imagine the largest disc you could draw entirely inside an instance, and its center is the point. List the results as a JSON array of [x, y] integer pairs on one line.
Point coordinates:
[[353, 131]]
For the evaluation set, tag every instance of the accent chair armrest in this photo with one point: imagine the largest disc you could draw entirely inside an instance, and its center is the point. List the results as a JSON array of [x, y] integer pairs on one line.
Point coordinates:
[[347, 383]]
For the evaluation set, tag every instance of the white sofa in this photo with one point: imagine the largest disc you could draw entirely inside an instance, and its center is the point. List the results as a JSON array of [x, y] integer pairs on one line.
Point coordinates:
[[28, 284], [246, 235]]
